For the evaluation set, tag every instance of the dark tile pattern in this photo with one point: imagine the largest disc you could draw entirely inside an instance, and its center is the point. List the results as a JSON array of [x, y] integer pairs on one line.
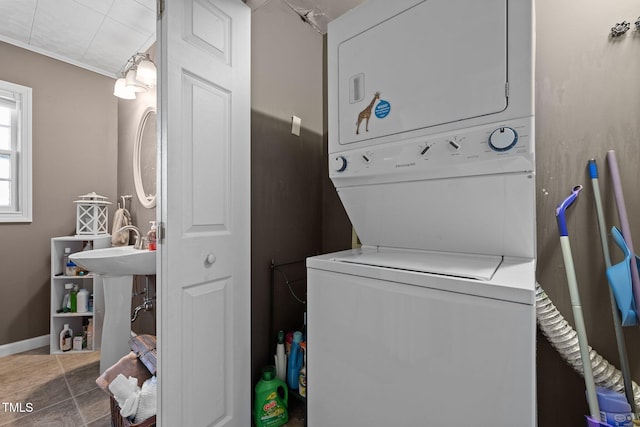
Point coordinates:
[[62, 391], [52, 390]]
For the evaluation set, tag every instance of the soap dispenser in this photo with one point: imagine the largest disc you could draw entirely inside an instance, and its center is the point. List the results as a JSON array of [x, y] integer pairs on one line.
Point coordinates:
[[152, 236]]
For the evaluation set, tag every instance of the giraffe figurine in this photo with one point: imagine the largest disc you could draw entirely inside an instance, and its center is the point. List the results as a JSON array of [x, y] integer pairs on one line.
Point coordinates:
[[366, 114]]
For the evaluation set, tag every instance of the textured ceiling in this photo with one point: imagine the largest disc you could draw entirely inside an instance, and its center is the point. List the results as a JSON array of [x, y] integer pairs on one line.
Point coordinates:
[[317, 13], [101, 35]]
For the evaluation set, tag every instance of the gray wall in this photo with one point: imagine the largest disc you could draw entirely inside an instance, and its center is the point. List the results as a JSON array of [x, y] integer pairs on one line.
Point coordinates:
[[130, 112], [587, 87], [74, 152], [288, 172], [586, 104], [286, 76]]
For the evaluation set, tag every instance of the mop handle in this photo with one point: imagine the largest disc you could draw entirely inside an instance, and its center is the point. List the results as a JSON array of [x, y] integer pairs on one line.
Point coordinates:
[[576, 306], [593, 172], [624, 223], [617, 326]]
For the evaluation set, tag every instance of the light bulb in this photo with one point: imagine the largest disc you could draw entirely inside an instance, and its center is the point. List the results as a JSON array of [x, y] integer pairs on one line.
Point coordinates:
[[133, 83], [146, 72], [122, 91]]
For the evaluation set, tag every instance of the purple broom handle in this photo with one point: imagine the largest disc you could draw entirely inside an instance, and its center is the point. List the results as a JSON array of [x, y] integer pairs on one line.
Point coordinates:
[[624, 224]]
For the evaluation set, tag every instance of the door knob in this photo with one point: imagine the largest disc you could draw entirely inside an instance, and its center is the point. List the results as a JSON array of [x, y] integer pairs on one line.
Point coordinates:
[[209, 260]]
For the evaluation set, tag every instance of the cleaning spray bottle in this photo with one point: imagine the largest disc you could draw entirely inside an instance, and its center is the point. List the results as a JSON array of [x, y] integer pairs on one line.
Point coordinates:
[[271, 400], [281, 358]]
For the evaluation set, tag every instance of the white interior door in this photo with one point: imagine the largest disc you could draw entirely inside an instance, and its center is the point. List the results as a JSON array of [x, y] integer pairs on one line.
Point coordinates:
[[204, 304]]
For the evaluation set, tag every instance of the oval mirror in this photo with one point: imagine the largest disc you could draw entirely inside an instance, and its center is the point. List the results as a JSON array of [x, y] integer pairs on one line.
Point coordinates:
[[144, 159]]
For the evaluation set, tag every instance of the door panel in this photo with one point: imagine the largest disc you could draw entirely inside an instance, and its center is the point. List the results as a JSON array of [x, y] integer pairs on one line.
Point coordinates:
[[206, 308], [207, 186], [204, 323]]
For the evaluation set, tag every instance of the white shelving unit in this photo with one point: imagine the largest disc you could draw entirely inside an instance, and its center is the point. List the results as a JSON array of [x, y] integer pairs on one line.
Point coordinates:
[[90, 282]]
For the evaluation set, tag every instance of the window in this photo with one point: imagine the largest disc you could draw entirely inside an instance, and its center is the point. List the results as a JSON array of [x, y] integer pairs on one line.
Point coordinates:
[[15, 153]]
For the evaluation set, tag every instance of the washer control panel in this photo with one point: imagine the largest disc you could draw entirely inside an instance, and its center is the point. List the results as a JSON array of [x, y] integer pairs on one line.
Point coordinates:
[[488, 149]]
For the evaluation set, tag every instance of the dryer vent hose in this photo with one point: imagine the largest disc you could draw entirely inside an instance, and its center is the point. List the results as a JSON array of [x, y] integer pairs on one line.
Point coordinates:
[[564, 339]]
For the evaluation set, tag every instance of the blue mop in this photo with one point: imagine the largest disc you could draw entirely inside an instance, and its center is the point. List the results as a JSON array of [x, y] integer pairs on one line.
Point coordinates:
[[593, 420]]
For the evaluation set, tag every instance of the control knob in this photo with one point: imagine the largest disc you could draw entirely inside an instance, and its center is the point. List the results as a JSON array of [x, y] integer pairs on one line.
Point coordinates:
[[339, 163], [503, 139]]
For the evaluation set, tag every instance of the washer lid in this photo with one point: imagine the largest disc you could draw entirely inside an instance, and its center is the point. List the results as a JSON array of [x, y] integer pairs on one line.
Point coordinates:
[[514, 280], [473, 266]]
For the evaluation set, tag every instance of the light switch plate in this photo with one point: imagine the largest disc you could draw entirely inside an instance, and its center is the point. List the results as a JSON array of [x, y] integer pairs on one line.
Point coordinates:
[[295, 125]]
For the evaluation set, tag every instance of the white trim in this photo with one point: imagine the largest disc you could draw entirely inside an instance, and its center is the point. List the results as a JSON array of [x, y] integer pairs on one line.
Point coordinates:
[[24, 345], [145, 46], [59, 57], [23, 197]]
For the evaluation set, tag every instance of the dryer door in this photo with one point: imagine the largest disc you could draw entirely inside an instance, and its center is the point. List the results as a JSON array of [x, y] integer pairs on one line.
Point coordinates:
[[438, 62]]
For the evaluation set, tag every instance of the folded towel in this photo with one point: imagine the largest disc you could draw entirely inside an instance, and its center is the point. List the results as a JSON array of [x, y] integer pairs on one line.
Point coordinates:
[[120, 219], [147, 406], [127, 394], [129, 366]]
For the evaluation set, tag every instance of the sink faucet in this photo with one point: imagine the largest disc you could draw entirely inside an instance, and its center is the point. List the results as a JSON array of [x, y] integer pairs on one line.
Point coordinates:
[[138, 242]]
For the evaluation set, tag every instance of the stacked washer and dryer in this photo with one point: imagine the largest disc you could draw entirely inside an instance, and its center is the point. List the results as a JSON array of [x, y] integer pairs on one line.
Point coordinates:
[[431, 150]]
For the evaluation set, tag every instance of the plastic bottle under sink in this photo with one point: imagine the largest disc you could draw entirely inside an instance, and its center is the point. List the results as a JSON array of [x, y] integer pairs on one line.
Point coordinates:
[[65, 259], [66, 338], [65, 307], [73, 299], [90, 335], [82, 301]]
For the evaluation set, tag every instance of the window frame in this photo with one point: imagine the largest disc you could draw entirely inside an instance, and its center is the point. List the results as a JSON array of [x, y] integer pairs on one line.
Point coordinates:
[[21, 209]]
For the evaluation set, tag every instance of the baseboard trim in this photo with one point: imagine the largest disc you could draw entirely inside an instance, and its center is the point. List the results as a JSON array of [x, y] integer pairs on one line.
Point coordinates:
[[24, 345]]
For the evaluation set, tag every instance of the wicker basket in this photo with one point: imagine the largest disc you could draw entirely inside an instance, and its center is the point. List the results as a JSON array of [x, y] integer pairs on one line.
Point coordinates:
[[118, 420], [144, 346]]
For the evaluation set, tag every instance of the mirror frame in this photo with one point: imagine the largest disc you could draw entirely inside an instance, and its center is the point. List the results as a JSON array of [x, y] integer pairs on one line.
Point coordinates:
[[148, 201]]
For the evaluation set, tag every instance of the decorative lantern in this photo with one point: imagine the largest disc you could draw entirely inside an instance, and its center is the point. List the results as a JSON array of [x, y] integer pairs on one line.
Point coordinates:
[[91, 214]]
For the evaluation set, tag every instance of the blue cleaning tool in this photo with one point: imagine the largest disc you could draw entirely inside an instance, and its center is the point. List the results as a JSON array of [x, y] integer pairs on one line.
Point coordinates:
[[593, 419], [561, 209], [614, 408], [615, 313], [619, 276]]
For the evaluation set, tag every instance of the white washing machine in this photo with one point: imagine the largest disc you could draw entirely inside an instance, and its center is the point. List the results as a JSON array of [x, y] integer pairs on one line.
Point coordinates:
[[431, 150]]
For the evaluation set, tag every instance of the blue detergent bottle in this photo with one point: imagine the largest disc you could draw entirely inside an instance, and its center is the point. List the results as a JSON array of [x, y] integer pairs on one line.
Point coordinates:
[[295, 361]]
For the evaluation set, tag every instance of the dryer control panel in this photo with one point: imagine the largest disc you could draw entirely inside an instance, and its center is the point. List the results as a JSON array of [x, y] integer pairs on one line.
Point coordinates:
[[496, 148]]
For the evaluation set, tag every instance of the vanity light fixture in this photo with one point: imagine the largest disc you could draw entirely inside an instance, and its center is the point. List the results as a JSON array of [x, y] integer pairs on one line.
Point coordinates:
[[138, 75], [146, 72], [122, 91], [132, 82]]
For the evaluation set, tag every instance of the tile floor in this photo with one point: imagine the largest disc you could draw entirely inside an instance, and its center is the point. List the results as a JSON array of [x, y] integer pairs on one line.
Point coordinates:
[[62, 391], [60, 388]]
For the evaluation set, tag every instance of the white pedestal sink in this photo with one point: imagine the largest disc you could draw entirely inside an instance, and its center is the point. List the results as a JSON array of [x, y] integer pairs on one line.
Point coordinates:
[[117, 266]]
